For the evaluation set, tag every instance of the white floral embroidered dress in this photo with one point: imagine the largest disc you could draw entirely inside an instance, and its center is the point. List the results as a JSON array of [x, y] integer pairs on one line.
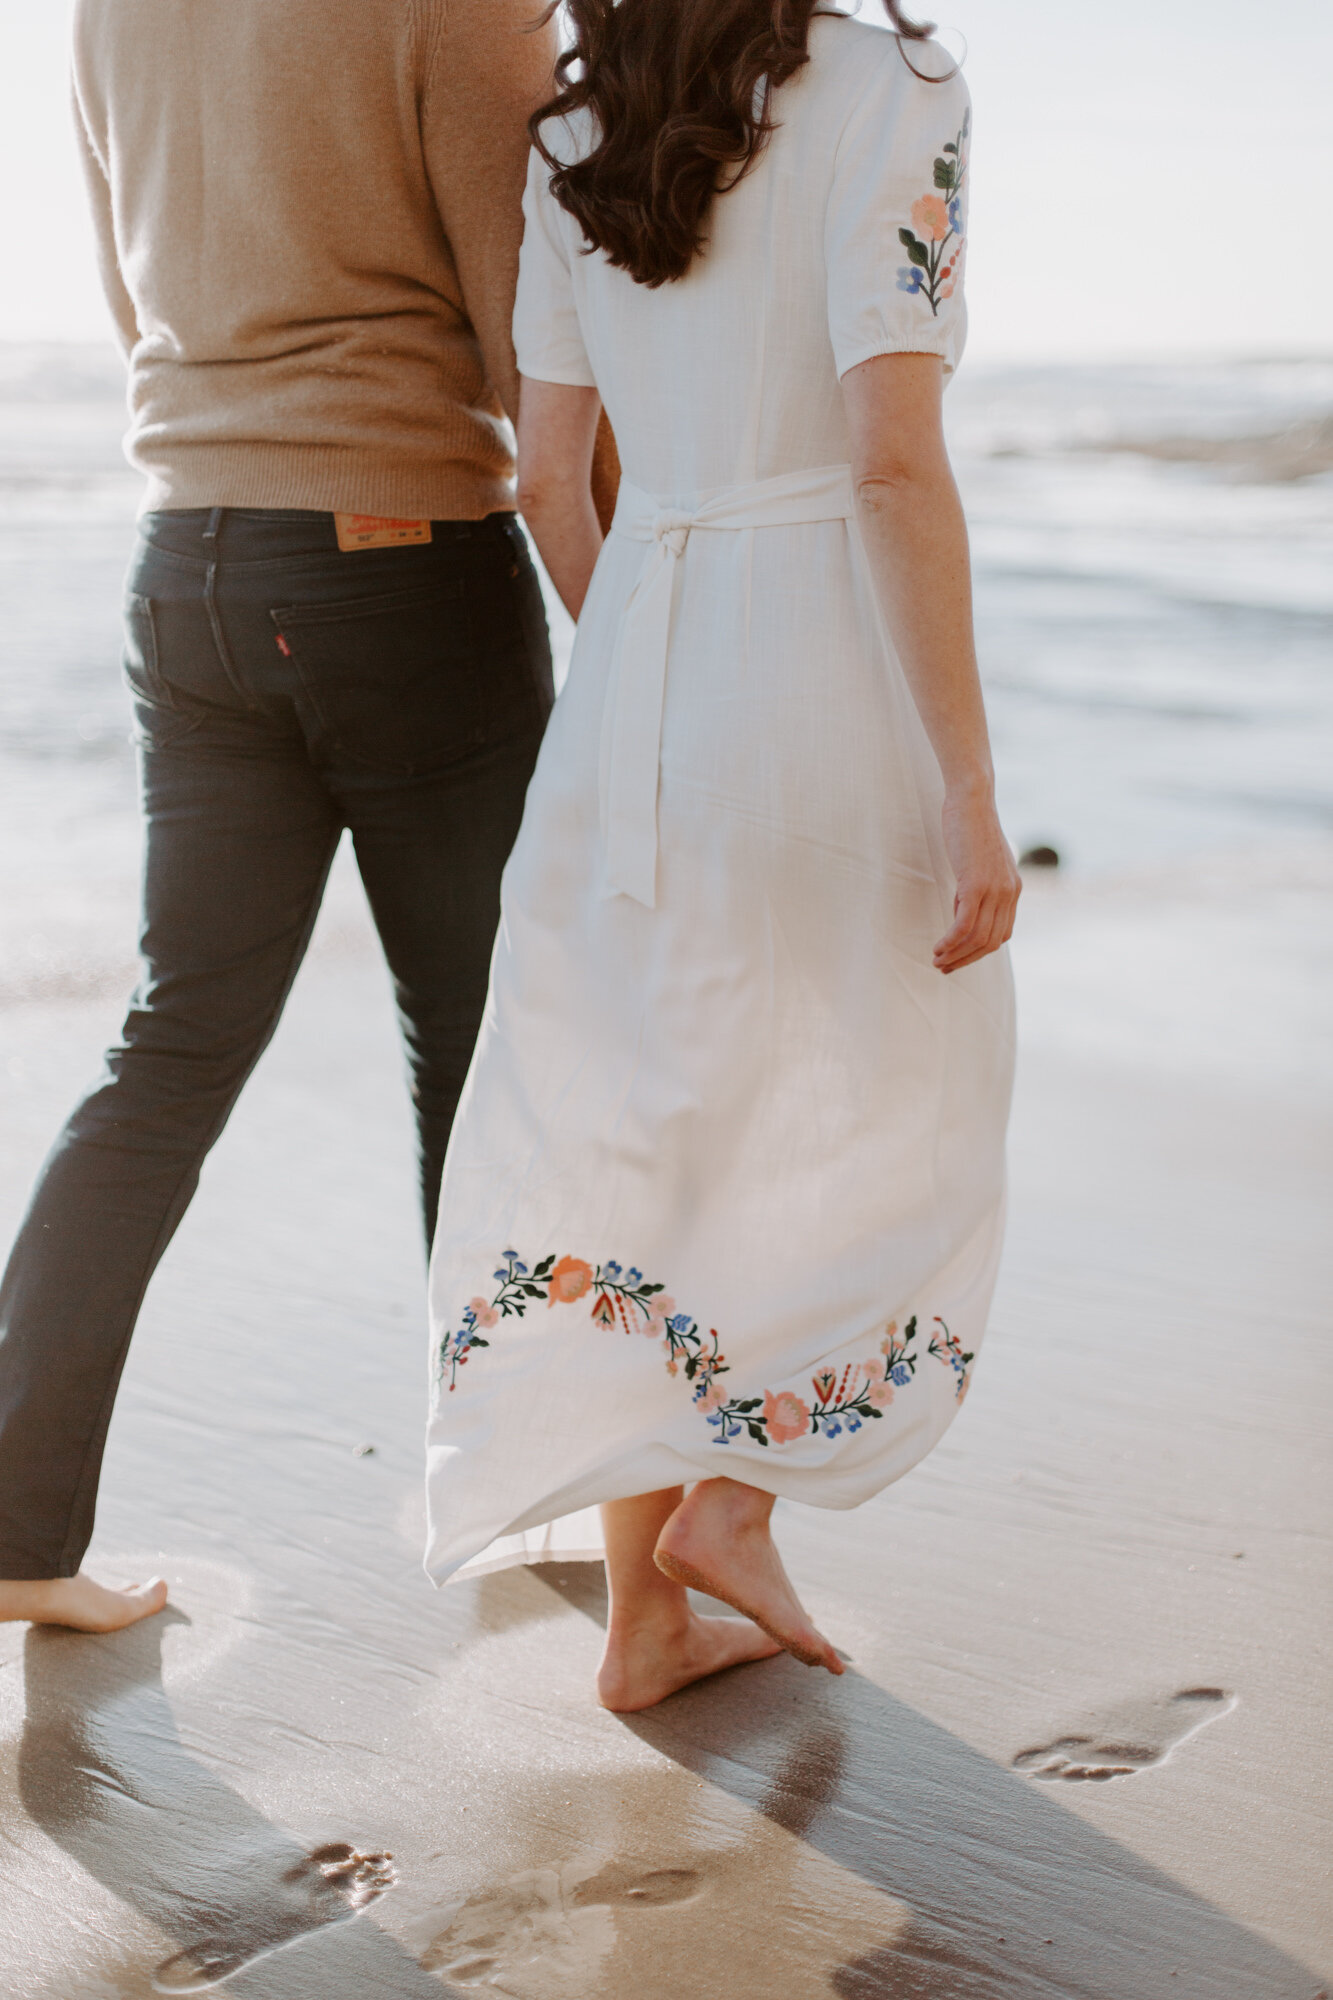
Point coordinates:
[[725, 1192]]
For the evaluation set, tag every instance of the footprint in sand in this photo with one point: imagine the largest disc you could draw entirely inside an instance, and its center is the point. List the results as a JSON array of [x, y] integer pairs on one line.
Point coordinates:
[[326, 1887], [1131, 1738], [543, 1927]]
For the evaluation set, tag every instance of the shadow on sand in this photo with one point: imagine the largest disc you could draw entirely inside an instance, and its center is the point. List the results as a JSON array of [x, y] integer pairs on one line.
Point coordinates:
[[1012, 1896], [103, 1772]]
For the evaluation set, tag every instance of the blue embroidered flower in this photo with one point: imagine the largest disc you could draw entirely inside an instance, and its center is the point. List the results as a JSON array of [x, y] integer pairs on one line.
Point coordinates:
[[853, 1423], [520, 1269], [909, 278], [833, 1430], [956, 216], [611, 1270], [900, 1376], [633, 1277], [680, 1323]]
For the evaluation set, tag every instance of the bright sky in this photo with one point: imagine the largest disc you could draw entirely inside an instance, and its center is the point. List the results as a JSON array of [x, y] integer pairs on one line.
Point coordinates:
[[1153, 178]]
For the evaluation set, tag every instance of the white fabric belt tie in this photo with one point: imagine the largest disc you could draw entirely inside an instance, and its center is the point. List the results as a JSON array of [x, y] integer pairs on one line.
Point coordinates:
[[632, 734]]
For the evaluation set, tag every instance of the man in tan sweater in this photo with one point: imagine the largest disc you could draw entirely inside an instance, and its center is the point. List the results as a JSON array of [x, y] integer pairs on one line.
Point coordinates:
[[308, 215]]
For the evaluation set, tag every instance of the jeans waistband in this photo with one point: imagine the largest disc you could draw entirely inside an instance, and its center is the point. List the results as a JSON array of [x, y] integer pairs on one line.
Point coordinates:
[[268, 534]]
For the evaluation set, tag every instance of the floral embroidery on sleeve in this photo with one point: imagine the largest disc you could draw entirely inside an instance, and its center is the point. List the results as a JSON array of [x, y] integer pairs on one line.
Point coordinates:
[[937, 221], [841, 1401]]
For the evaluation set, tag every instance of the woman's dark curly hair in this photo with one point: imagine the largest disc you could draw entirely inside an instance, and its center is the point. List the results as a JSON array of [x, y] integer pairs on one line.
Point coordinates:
[[681, 95]]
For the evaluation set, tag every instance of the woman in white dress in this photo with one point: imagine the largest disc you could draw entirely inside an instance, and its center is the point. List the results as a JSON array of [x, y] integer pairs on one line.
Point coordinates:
[[723, 1206]]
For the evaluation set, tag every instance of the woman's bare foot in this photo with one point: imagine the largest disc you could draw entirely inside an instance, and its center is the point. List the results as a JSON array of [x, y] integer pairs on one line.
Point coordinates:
[[81, 1603], [718, 1541], [655, 1641], [646, 1663]]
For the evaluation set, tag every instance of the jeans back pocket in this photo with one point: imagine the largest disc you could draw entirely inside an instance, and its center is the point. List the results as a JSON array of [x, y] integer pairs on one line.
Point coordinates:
[[398, 681], [157, 719]]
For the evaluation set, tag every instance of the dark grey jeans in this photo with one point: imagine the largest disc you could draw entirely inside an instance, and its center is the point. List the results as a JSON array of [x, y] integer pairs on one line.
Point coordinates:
[[284, 690]]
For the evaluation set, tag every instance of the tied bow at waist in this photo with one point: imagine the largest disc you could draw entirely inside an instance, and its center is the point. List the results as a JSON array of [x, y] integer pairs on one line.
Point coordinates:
[[632, 741]]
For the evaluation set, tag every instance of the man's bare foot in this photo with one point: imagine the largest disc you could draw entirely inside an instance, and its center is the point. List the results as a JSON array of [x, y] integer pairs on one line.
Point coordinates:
[[718, 1541], [81, 1603], [644, 1664]]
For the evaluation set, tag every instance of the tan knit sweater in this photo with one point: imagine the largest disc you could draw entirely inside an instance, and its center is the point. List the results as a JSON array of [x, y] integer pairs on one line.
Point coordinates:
[[308, 215]]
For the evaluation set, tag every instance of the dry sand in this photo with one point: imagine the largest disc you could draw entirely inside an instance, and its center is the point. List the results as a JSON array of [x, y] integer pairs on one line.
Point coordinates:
[[1082, 1747]]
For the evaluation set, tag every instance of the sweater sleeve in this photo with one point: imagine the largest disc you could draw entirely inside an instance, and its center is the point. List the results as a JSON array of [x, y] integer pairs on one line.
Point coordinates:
[[490, 68], [99, 200]]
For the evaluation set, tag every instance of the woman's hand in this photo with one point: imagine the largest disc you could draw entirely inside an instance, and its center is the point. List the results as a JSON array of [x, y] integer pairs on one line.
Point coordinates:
[[911, 522], [557, 444], [987, 877]]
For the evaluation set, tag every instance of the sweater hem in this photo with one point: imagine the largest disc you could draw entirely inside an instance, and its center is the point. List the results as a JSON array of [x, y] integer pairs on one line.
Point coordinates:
[[321, 480]]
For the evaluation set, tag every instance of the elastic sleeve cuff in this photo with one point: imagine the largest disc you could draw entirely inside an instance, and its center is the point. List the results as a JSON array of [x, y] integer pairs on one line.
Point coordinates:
[[564, 374]]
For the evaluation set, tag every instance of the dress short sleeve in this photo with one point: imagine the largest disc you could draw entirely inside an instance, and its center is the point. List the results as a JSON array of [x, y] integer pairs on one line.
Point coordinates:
[[897, 214], [547, 338]]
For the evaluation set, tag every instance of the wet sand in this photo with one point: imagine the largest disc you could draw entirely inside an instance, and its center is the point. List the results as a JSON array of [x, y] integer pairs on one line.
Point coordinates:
[[1082, 1745]]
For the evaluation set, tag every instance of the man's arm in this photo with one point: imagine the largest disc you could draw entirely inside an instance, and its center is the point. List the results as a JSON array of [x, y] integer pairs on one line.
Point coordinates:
[[99, 201], [492, 67]]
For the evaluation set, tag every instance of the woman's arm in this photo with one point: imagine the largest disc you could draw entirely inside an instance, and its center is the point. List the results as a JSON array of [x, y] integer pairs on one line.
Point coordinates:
[[911, 521], [557, 429]]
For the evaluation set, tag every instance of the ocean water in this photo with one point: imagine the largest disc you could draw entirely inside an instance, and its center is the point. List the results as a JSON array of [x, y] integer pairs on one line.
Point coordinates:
[[1154, 614]]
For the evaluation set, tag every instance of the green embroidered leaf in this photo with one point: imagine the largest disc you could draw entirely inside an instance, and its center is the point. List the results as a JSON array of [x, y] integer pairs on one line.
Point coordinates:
[[871, 1411], [758, 1433], [476, 1341], [949, 146], [945, 175], [909, 1331], [691, 1368], [915, 251], [967, 1358], [543, 1270], [534, 1291]]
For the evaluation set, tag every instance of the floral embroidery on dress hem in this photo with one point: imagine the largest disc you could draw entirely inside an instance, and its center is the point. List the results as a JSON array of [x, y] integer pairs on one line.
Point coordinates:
[[846, 1401], [938, 221], [621, 1298], [624, 1298]]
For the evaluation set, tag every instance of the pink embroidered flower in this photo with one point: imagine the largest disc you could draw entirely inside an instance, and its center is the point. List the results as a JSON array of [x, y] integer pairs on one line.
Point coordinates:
[[483, 1312], [890, 1335], [664, 1306], [879, 1395], [712, 1398], [786, 1416], [570, 1279], [931, 217], [655, 1327]]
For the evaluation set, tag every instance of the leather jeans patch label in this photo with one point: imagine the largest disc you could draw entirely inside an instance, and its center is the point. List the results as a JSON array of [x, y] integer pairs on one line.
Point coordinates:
[[377, 531]]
